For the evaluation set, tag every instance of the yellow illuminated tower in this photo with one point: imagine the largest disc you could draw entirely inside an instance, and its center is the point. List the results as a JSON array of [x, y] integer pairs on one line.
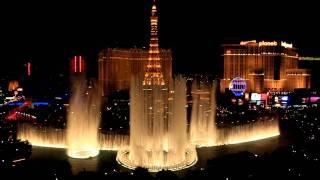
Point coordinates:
[[153, 74]]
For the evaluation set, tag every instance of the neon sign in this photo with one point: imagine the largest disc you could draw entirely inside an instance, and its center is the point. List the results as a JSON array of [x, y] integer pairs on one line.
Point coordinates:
[[286, 45], [268, 43], [238, 86]]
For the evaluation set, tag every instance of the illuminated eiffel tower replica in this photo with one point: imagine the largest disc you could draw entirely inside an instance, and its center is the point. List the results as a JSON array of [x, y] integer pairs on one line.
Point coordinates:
[[155, 89], [153, 75]]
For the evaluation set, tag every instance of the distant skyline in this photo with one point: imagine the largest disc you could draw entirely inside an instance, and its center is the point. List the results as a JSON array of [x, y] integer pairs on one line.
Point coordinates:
[[49, 34]]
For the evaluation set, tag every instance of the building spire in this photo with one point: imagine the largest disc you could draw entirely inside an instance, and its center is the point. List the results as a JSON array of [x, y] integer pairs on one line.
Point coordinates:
[[153, 74]]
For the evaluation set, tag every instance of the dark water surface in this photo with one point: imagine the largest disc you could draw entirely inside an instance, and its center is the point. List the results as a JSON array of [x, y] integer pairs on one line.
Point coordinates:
[[107, 159]]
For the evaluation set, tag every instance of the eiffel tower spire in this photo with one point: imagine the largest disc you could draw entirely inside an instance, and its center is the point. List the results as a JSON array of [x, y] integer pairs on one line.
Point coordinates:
[[153, 74]]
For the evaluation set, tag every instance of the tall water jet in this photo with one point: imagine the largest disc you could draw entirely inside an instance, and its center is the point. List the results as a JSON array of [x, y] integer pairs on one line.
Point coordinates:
[[158, 136], [203, 131], [83, 120]]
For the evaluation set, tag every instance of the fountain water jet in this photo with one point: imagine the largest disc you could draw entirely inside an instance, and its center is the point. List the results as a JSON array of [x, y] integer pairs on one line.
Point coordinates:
[[158, 138], [83, 120], [203, 131]]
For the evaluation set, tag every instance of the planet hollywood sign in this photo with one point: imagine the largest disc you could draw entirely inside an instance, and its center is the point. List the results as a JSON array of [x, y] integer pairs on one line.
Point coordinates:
[[268, 43], [275, 43], [286, 45]]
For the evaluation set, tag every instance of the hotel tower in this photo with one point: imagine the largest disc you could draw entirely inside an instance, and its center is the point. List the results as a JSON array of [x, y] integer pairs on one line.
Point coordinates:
[[266, 66]]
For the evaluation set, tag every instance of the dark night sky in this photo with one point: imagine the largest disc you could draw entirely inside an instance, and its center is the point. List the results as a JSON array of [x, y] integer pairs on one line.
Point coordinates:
[[50, 33]]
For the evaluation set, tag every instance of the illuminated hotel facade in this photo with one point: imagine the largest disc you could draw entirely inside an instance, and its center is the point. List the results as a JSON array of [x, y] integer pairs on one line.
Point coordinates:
[[117, 66], [266, 66]]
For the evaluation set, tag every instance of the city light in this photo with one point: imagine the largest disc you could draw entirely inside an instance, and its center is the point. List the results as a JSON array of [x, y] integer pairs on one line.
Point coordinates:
[[29, 69]]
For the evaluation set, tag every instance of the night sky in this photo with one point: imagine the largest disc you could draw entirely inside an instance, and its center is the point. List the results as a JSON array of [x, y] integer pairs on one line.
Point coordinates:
[[50, 33]]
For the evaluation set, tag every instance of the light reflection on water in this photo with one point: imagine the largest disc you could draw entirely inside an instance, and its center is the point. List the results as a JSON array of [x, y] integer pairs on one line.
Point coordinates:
[[107, 159], [97, 163]]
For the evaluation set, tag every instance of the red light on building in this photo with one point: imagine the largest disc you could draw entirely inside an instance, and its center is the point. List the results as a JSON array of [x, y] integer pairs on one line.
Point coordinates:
[[78, 64], [29, 69], [80, 59], [75, 64]]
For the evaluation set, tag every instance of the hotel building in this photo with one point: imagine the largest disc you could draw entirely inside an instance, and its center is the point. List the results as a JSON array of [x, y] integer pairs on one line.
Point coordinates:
[[266, 66], [118, 65]]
